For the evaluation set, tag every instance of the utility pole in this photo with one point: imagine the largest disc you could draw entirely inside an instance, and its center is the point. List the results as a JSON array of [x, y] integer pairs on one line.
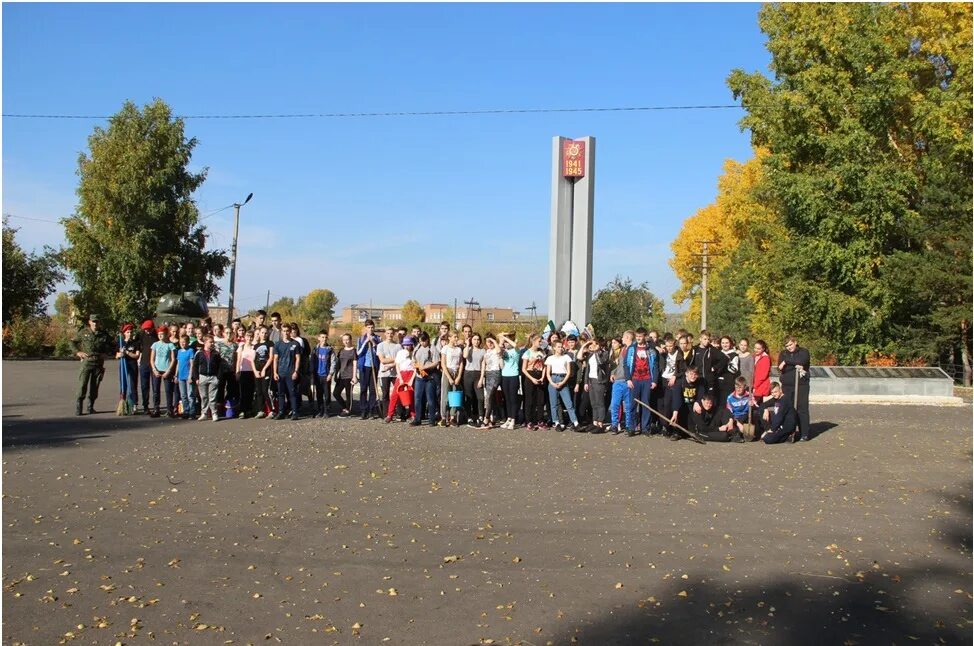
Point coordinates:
[[703, 301], [455, 319], [704, 269], [233, 264], [471, 304], [267, 303], [534, 312]]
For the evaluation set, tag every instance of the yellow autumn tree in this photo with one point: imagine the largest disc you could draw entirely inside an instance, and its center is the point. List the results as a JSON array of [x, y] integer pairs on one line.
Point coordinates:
[[735, 212]]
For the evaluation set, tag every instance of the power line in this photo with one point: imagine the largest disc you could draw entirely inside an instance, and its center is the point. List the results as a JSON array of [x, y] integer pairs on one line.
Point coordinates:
[[426, 113], [24, 217], [214, 212]]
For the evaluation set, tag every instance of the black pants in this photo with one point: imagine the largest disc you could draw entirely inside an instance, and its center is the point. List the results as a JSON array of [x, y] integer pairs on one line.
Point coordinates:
[[287, 396], [672, 401], [344, 385], [247, 385], [756, 415], [227, 388], [367, 396], [535, 396], [802, 407], [322, 394], [718, 436], [779, 434], [583, 406], [436, 383], [725, 386], [509, 386], [656, 397], [262, 398], [145, 381], [473, 397], [597, 394]]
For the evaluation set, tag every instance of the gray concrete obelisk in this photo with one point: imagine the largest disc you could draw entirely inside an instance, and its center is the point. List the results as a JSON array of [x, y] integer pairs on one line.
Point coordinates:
[[572, 213]]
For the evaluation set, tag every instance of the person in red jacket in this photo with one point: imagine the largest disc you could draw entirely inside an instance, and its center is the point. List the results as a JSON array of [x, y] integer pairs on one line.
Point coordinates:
[[762, 378]]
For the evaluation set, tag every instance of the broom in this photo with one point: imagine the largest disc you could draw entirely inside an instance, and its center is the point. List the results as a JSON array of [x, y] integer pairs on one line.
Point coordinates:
[[122, 379]]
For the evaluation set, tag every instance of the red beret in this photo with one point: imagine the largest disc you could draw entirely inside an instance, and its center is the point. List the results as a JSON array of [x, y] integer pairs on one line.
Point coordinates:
[[148, 324], [127, 327]]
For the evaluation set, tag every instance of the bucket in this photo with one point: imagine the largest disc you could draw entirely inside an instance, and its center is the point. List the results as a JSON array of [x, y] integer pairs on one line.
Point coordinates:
[[405, 396], [455, 398]]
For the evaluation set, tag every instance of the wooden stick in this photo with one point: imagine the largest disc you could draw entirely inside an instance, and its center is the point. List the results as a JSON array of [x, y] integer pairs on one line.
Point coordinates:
[[693, 436]]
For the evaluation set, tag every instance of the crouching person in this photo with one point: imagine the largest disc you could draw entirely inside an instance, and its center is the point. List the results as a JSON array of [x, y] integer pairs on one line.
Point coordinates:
[[712, 422], [779, 417], [405, 376]]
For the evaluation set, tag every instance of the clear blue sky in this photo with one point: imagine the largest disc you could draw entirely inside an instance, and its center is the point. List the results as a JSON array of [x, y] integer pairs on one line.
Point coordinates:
[[424, 207]]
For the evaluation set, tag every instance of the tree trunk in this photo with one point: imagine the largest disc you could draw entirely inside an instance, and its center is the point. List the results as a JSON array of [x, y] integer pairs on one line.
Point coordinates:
[[965, 355]]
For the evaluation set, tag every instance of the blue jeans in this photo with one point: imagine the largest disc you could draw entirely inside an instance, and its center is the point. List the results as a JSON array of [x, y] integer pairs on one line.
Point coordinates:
[[186, 396], [131, 382], [566, 397], [641, 390], [287, 391], [436, 384], [425, 395], [620, 395]]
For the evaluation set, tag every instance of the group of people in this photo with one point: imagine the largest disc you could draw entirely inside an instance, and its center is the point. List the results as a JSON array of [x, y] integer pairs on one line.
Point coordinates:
[[639, 384]]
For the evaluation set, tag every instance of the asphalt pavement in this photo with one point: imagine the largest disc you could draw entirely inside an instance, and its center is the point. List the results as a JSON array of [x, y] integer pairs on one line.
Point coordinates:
[[135, 530]]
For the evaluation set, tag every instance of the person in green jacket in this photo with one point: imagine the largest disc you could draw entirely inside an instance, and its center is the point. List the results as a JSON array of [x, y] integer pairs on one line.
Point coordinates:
[[91, 345]]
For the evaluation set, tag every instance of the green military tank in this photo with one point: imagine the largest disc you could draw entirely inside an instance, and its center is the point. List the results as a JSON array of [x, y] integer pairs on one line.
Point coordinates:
[[182, 307]]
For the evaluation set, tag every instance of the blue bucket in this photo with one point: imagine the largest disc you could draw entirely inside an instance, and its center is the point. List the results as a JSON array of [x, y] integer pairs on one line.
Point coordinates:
[[455, 398]]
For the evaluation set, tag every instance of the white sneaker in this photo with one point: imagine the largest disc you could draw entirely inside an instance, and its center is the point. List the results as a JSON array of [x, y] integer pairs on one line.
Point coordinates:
[[241, 415], [216, 418], [202, 417], [259, 415]]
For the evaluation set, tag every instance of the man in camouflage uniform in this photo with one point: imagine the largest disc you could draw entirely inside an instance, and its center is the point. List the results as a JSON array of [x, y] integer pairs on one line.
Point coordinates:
[[91, 345]]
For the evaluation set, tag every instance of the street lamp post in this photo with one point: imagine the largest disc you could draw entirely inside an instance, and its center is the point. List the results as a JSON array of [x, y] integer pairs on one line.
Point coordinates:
[[233, 262]]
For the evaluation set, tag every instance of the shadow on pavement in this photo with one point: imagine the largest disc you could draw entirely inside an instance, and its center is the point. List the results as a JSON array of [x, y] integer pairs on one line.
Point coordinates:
[[871, 604], [820, 428], [64, 430]]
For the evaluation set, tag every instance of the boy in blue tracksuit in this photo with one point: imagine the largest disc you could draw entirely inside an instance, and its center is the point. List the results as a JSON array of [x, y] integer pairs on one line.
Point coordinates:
[[642, 373], [368, 367], [621, 388], [322, 369]]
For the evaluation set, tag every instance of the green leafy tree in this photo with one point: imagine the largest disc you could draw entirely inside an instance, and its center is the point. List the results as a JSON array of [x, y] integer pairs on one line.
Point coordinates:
[[285, 306], [413, 312], [64, 309], [135, 234], [621, 305], [28, 279], [317, 308], [729, 311], [868, 124], [449, 317]]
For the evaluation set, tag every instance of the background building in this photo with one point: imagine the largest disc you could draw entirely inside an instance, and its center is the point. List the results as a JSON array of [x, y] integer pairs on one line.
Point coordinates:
[[218, 313], [435, 313]]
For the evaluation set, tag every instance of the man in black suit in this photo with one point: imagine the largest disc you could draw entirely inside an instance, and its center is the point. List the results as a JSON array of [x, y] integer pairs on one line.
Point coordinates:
[[794, 362]]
